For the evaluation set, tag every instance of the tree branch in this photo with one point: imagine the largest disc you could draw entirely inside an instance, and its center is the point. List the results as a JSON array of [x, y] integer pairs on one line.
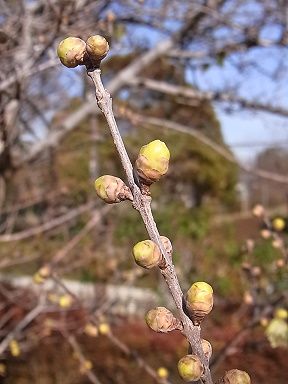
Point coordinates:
[[143, 204]]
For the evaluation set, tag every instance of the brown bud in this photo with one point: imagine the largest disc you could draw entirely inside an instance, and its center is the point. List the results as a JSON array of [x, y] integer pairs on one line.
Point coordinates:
[[111, 189], [161, 319], [167, 245], [256, 271], [258, 210], [207, 348], [280, 263], [199, 301], [190, 368], [45, 271], [235, 376], [97, 48], [265, 233]]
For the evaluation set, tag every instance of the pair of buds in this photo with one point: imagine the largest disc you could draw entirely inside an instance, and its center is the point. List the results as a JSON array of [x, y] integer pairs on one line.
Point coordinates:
[[190, 369], [74, 51], [151, 164]]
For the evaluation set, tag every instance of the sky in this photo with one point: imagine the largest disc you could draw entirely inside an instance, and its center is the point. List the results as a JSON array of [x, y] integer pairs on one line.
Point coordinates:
[[255, 76]]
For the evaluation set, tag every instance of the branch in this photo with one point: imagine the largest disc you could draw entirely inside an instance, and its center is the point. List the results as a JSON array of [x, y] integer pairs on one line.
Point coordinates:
[[47, 226], [190, 93], [21, 325], [162, 123], [143, 204], [129, 72]]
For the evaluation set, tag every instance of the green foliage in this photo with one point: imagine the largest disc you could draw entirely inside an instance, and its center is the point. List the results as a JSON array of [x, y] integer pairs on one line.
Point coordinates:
[[264, 253]]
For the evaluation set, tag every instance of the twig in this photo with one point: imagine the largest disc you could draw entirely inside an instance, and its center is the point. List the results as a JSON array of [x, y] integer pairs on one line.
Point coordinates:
[[76, 348], [47, 226], [21, 325], [143, 205]]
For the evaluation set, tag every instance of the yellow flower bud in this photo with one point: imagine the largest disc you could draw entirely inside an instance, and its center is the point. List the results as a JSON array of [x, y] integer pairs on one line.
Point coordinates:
[[199, 301], [281, 313], [71, 52], [14, 348], [207, 348], [235, 376], [147, 254], [162, 373], [3, 369], [86, 366], [111, 189], [97, 48], [258, 210], [152, 161], [190, 368], [65, 301], [161, 319], [277, 333], [104, 329], [278, 224], [91, 330], [37, 278]]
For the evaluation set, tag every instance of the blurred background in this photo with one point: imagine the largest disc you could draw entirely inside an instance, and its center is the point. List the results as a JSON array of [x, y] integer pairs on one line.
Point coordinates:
[[209, 78]]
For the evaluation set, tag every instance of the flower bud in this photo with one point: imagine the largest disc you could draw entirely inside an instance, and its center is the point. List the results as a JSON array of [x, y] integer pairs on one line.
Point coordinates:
[[71, 52], [14, 348], [277, 243], [162, 373], [147, 254], [45, 271], [97, 48], [38, 279], [152, 161], [65, 301], [86, 365], [281, 313], [91, 330], [277, 333], [111, 189], [207, 348], [235, 376], [258, 210], [3, 370], [104, 329], [167, 245], [256, 271], [278, 224], [265, 233], [190, 368], [161, 319], [280, 263], [199, 301]]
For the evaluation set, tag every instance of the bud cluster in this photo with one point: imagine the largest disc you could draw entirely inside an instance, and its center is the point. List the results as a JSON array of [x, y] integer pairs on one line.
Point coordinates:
[[73, 51]]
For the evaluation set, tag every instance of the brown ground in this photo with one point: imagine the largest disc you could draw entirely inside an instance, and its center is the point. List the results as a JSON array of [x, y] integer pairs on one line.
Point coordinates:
[[52, 361]]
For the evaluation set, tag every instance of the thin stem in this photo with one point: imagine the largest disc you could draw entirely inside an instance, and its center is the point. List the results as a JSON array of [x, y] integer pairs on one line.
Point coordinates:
[[143, 204]]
